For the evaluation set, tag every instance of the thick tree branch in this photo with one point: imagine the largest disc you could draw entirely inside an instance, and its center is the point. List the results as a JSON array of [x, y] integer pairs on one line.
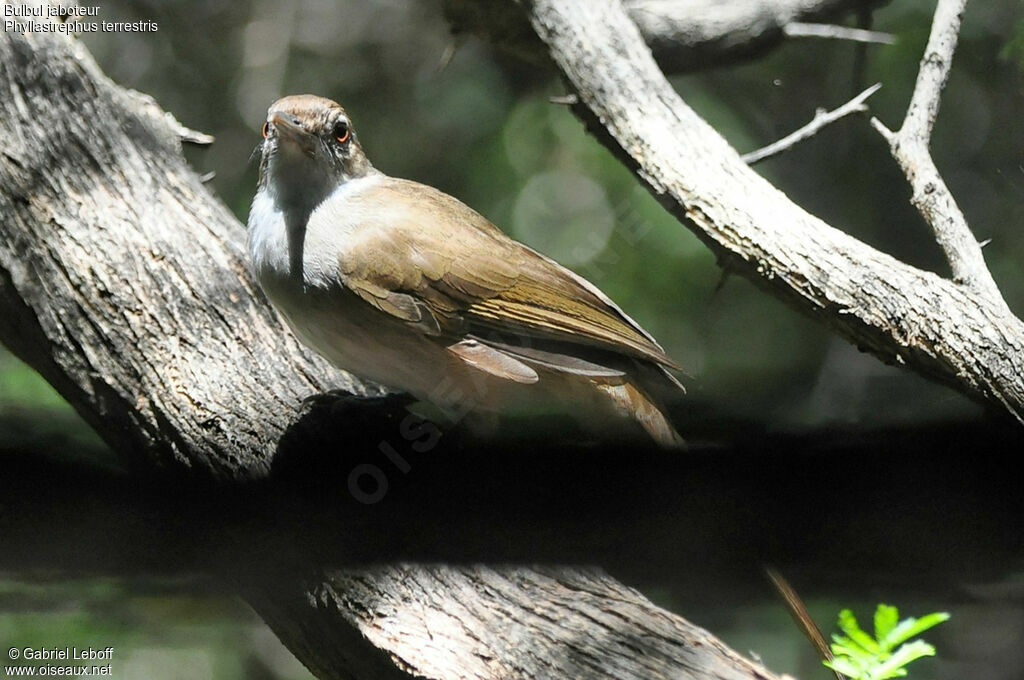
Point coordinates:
[[122, 280], [909, 147], [541, 622], [684, 36], [713, 515], [897, 312]]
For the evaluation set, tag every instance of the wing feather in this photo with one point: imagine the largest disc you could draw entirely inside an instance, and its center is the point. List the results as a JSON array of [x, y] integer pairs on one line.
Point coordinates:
[[439, 265], [493, 361]]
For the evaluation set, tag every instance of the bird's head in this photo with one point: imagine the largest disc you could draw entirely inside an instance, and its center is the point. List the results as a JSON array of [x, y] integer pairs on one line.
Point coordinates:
[[309, 148]]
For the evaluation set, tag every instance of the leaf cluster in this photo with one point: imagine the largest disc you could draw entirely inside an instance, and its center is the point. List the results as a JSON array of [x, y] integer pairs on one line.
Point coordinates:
[[860, 656]]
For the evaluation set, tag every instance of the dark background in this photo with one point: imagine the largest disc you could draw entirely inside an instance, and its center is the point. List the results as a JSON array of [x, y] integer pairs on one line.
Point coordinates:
[[482, 129]]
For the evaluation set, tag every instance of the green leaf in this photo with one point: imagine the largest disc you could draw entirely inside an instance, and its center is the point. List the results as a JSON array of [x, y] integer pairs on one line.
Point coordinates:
[[847, 647], [886, 618], [893, 666], [908, 628], [861, 657], [848, 624], [843, 665]]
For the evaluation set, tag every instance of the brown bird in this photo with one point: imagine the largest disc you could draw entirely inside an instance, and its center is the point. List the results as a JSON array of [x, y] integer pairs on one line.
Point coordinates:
[[404, 285]]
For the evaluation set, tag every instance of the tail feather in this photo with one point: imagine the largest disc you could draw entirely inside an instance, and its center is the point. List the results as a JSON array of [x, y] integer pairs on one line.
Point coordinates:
[[632, 403]]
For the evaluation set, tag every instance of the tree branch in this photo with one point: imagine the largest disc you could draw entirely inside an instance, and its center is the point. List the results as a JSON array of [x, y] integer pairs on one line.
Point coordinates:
[[684, 36], [122, 281], [798, 29], [898, 312], [540, 622], [821, 119], [699, 34], [712, 515], [909, 146]]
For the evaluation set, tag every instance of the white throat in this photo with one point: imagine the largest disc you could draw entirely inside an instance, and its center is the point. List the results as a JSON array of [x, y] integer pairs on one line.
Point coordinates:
[[287, 242]]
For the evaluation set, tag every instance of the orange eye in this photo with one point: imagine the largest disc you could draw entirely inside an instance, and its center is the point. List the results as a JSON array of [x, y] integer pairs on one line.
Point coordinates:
[[266, 130], [342, 132]]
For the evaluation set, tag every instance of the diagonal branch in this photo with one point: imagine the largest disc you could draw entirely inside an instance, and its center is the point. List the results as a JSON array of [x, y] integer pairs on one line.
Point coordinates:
[[909, 146], [899, 313], [435, 622], [821, 119]]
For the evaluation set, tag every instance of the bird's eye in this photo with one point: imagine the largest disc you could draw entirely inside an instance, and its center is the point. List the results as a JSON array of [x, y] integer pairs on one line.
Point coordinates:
[[341, 131], [266, 130]]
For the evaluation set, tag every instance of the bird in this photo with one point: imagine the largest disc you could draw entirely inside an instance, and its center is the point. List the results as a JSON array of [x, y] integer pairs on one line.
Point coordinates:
[[404, 285]]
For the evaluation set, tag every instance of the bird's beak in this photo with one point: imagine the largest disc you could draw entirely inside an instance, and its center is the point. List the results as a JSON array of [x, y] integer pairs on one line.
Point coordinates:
[[291, 132]]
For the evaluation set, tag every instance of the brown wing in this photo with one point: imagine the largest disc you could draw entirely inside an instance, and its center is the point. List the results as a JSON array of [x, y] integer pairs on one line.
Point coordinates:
[[442, 267]]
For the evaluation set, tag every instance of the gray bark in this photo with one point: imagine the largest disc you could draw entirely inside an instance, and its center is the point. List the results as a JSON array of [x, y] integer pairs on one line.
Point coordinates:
[[909, 147], [496, 622], [122, 281], [940, 328], [684, 35]]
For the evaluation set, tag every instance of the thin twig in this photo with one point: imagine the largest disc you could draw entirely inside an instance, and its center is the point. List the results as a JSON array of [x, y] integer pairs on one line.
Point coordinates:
[[570, 99], [802, 617], [799, 29], [909, 146], [820, 120]]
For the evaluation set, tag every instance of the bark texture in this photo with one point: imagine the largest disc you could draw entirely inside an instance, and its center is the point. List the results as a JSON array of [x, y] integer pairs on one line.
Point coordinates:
[[122, 281], [909, 147], [899, 313], [531, 623]]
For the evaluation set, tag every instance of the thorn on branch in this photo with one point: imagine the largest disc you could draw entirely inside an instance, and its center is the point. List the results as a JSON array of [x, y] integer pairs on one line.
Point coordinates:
[[723, 277], [565, 99], [190, 136]]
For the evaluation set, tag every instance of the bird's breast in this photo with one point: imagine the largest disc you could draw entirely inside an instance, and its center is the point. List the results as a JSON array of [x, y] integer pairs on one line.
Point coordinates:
[[297, 264], [288, 250]]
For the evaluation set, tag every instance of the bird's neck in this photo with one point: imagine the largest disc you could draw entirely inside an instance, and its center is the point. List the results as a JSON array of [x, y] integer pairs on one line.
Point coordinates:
[[296, 190]]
